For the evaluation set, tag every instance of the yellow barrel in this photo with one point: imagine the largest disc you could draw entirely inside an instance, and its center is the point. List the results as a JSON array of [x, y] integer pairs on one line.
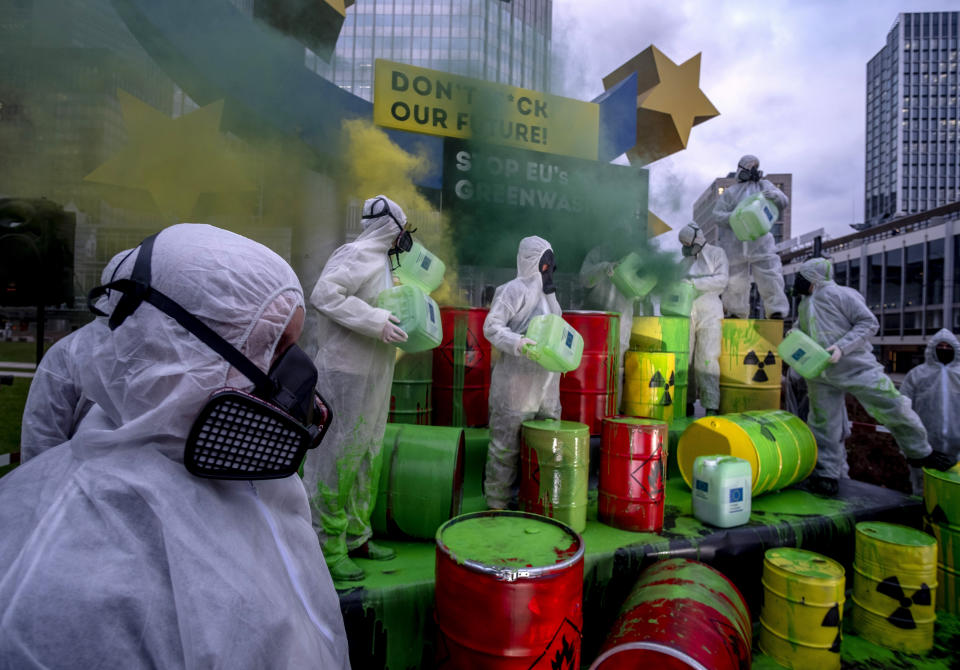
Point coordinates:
[[750, 365], [941, 495], [668, 334], [948, 563], [803, 595], [779, 447], [648, 384], [894, 586]]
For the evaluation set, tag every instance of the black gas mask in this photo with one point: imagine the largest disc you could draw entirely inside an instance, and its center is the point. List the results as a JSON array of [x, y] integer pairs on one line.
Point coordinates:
[[404, 241], [547, 266], [945, 353], [745, 174], [236, 435], [801, 285]]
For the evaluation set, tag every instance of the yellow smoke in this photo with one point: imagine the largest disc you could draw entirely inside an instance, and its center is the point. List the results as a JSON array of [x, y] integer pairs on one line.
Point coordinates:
[[375, 165]]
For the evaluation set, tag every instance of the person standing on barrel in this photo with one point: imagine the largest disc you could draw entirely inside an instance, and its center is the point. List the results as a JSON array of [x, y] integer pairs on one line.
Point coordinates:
[[520, 389]]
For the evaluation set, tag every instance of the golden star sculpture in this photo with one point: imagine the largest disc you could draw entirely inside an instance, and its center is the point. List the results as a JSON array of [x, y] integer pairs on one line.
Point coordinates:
[[656, 225], [669, 103], [168, 163]]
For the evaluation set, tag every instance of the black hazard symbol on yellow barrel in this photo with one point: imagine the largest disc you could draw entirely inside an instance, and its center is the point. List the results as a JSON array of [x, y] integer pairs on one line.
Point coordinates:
[[832, 620], [657, 381], [752, 359], [902, 616]]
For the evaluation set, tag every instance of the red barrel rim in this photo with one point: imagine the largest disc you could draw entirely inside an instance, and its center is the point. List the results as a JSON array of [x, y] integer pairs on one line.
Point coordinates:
[[510, 574]]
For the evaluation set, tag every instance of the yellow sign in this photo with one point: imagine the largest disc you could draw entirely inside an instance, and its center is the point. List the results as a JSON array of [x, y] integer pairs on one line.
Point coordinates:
[[438, 103]]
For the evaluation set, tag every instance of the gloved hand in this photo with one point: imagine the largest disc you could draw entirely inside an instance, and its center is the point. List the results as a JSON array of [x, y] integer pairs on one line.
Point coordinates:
[[768, 194], [835, 353], [524, 341], [392, 332], [937, 460]]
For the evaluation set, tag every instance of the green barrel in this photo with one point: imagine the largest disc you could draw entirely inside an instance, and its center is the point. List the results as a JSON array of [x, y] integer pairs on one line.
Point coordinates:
[[475, 443], [421, 480], [667, 334], [780, 448], [410, 391], [554, 470]]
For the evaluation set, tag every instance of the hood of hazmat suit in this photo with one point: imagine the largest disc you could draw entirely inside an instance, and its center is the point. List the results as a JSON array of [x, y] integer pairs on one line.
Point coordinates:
[[934, 389], [355, 373], [520, 389], [56, 402], [127, 558]]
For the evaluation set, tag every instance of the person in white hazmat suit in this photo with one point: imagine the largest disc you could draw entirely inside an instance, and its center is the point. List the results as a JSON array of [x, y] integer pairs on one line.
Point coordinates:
[[595, 272], [756, 257], [113, 554], [55, 402], [838, 319], [934, 391], [355, 361], [520, 389], [706, 267]]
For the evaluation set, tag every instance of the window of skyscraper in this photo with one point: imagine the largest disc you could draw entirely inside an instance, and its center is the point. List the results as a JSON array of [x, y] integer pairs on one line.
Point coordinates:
[[840, 272], [893, 278]]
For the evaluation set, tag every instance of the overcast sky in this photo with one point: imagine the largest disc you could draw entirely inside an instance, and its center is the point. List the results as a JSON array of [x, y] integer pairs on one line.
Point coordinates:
[[787, 77]]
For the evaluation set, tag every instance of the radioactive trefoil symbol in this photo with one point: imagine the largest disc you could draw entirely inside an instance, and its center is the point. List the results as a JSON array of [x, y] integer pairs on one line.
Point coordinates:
[[902, 617], [657, 381], [752, 359], [832, 620]]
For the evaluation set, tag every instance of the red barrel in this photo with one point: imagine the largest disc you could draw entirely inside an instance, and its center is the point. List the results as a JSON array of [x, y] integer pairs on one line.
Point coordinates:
[[509, 592], [589, 393], [681, 614], [633, 467], [461, 369]]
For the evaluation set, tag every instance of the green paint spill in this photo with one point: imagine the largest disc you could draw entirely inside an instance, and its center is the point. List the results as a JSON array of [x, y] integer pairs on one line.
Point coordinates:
[[805, 563], [895, 534], [507, 540]]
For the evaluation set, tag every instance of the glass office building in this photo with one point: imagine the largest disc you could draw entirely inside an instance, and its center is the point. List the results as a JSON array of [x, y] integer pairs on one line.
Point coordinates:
[[912, 112], [505, 42]]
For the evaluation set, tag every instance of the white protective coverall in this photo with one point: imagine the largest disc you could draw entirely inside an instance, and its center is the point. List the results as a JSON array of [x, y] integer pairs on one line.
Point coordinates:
[[708, 272], [520, 389], [113, 555], [757, 257], [356, 371], [837, 315], [603, 295], [934, 391], [56, 403]]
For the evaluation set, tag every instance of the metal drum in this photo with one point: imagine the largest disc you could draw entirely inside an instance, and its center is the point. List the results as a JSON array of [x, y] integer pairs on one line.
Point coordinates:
[[461, 369], [779, 446], [750, 365], [667, 334], [633, 469], [589, 393], [649, 381], [803, 596], [554, 472], [421, 480], [941, 502], [894, 586], [680, 614], [475, 443], [509, 592], [410, 392]]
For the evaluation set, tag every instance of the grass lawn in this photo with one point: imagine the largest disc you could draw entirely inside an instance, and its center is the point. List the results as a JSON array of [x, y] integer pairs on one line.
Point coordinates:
[[18, 352], [12, 400]]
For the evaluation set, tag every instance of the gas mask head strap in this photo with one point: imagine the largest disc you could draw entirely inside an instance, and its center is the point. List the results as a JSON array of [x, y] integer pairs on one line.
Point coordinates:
[[137, 290]]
